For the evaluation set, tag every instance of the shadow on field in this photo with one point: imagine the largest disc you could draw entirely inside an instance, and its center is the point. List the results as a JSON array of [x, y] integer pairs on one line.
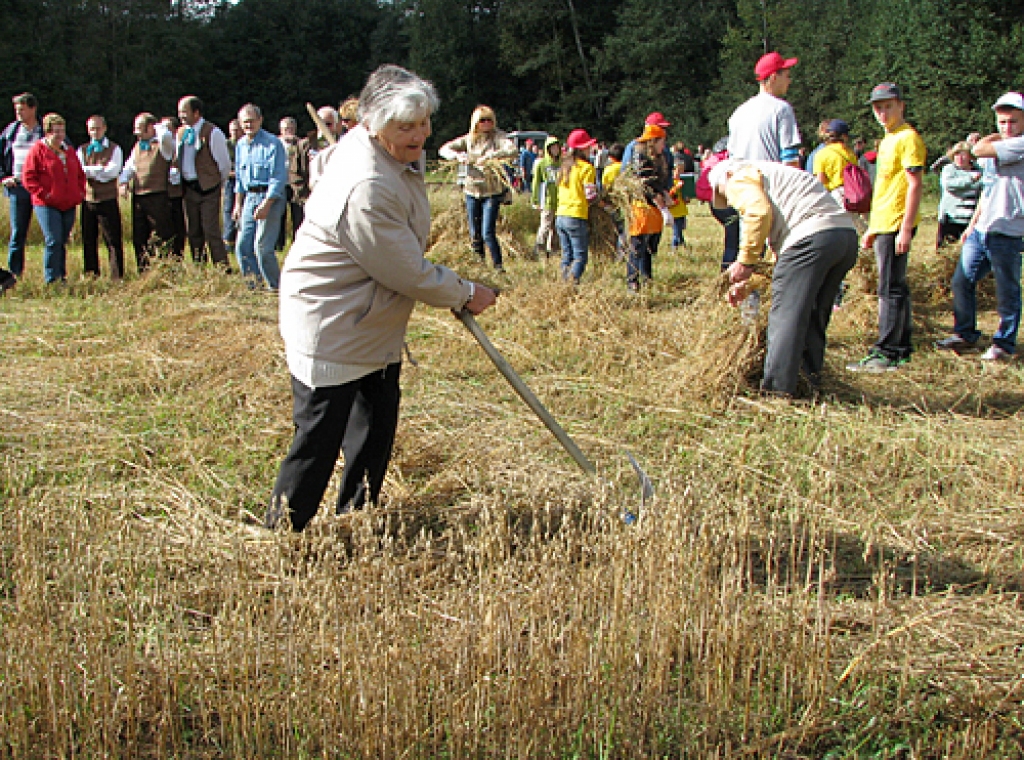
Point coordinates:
[[849, 566]]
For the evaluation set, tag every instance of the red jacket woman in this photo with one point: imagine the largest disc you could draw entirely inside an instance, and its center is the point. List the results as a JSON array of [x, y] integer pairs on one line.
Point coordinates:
[[54, 178]]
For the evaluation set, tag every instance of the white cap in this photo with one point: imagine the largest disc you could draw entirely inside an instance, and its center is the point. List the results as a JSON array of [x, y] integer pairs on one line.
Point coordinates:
[[1010, 100]]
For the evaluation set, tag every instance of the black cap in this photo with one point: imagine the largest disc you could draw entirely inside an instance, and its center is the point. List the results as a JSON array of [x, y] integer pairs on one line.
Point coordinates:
[[885, 91]]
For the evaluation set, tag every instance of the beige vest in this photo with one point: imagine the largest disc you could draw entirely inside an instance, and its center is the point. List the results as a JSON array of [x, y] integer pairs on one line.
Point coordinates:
[[96, 191], [206, 166], [150, 169]]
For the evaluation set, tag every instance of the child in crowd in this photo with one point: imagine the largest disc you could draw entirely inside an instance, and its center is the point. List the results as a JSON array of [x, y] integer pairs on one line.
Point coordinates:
[[611, 173], [577, 189], [544, 196], [895, 207], [678, 208], [649, 215]]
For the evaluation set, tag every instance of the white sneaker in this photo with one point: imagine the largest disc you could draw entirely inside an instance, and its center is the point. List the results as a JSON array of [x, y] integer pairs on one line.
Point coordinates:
[[996, 354]]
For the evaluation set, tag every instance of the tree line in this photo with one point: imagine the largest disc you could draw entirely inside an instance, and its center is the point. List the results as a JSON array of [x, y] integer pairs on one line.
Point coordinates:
[[542, 64]]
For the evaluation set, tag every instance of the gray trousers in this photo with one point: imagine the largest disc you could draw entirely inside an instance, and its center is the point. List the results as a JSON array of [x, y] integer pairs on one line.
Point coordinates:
[[804, 287]]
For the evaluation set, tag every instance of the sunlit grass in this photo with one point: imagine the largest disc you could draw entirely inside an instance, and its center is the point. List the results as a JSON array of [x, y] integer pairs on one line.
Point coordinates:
[[835, 577]]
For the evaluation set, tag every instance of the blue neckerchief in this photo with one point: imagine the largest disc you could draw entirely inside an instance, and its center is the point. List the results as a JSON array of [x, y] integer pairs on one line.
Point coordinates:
[[189, 136], [96, 146], [144, 145]]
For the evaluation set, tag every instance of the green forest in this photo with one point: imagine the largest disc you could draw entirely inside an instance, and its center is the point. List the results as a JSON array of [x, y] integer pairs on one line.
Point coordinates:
[[545, 64]]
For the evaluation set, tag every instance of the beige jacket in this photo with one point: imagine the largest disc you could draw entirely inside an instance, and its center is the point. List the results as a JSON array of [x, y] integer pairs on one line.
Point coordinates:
[[357, 268], [481, 182]]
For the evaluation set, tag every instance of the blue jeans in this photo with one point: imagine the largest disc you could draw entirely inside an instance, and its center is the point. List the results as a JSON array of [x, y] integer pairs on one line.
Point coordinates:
[[981, 254], [21, 217], [678, 225], [574, 235], [640, 263], [230, 231], [256, 239], [729, 218], [483, 225], [56, 227]]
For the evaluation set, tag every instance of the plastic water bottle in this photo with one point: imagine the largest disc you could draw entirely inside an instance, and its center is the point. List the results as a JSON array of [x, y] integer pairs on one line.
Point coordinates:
[[750, 307]]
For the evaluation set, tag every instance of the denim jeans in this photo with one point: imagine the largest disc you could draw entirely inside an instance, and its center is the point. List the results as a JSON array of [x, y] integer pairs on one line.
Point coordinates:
[[678, 225], [56, 227], [230, 232], [639, 265], [256, 239], [21, 217], [483, 225], [981, 254], [574, 236], [729, 218]]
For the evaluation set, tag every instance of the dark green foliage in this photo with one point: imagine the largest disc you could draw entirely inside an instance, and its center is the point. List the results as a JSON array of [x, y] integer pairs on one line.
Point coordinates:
[[553, 64]]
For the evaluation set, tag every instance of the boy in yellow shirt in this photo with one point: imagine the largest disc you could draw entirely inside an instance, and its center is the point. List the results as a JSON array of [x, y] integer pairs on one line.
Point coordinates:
[[895, 206]]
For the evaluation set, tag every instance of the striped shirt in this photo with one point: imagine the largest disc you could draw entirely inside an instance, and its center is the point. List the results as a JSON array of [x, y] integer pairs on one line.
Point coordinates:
[[23, 141]]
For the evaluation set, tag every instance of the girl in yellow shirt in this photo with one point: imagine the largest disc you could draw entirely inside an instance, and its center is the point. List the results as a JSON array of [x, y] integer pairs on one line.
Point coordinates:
[[577, 189]]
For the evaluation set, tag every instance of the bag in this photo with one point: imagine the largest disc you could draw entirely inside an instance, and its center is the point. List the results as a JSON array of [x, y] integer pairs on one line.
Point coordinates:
[[856, 189], [703, 189]]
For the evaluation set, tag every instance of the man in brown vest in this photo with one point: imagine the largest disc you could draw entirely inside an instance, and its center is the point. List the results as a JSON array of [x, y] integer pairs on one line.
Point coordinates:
[[102, 162], [146, 174], [204, 162]]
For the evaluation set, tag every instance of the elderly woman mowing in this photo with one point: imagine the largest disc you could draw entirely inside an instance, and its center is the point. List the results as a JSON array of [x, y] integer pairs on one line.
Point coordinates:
[[485, 185], [349, 284]]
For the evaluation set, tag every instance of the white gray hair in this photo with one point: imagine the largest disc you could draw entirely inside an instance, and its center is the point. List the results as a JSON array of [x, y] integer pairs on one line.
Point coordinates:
[[395, 94]]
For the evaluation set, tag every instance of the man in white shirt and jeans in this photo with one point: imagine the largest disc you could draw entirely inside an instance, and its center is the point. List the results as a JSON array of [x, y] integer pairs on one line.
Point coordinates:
[[994, 239]]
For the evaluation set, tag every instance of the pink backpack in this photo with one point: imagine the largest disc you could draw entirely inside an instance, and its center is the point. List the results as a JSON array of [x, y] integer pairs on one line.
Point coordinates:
[[704, 192], [856, 189]]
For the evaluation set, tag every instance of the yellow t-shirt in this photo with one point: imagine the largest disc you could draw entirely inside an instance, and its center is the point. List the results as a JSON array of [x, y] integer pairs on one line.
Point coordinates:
[[611, 172], [574, 198], [900, 150], [830, 161], [678, 209]]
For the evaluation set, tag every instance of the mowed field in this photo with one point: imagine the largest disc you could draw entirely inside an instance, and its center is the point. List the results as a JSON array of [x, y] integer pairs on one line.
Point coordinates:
[[833, 578]]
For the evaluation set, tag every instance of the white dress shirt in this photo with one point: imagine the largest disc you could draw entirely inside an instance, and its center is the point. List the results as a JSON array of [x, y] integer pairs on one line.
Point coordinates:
[[105, 172], [218, 147], [166, 141]]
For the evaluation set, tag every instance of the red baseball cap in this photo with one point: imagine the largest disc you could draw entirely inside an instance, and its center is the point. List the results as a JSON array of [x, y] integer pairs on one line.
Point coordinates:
[[657, 119], [578, 139], [771, 63]]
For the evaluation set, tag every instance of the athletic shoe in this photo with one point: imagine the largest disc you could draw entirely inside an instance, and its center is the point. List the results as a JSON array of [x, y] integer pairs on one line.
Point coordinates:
[[7, 281], [996, 354], [955, 343], [876, 362]]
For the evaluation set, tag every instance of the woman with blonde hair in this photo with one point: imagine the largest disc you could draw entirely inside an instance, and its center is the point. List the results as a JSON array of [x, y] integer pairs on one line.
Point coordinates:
[[485, 181]]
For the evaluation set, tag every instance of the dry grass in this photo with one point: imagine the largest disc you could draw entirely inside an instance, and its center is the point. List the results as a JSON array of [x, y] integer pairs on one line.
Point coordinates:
[[839, 579]]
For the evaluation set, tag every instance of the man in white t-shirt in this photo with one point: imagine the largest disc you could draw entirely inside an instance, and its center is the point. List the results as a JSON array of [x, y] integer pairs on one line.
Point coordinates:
[[764, 128]]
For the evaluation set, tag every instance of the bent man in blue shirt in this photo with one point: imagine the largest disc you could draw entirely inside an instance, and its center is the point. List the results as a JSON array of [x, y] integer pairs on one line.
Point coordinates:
[[261, 176]]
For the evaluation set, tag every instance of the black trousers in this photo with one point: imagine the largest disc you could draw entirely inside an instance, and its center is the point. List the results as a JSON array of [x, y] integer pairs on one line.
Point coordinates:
[[177, 216], [102, 217], [151, 226], [895, 316], [358, 419]]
